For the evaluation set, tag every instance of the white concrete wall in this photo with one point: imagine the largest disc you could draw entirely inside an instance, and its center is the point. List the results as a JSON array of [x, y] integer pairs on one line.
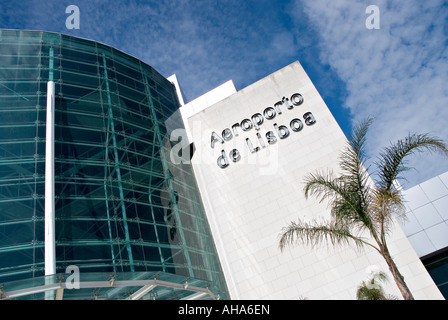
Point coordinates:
[[249, 202], [210, 98]]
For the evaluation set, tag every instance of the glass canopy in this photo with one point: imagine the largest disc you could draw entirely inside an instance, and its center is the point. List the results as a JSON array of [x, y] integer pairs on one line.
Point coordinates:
[[104, 286]]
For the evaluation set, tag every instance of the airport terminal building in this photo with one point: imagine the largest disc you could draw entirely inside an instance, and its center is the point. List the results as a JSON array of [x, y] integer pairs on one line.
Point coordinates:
[[254, 147], [97, 175]]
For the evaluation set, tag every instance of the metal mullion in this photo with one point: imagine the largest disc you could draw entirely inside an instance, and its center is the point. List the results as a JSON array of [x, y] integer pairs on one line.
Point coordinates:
[[82, 162], [19, 80], [21, 180], [85, 219], [24, 96], [77, 61], [83, 113], [86, 144], [76, 47], [74, 85], [69, 161], [185, 186], [25, 125], [117, 167], [108, 173], [14, 109], [162, 258], [99, 130], [74, 100], [136, 125], [129, 77], [168, 176], [20, 247], [15, 222], [131, 189], [105, 180], [80, 128], [15, 199], [140, 184], [136, 153], [5, 271], [187, 173], [82, 155]]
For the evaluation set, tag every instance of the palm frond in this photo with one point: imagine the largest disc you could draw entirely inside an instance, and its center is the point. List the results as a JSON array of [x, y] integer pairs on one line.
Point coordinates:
[[367, 292], [357, 139], [357, 203], [349, 202], [323, 186], [386, 205], [354, 155], [355, 176], [372, 290], [316, 233], [392, 161]]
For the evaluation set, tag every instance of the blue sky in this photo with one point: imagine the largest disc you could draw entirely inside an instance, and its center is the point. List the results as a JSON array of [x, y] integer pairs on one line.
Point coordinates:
[[398, 73]]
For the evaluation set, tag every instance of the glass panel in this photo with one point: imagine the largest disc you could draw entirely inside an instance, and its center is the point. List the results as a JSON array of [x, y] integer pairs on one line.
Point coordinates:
[[121, 205], [437, 266]]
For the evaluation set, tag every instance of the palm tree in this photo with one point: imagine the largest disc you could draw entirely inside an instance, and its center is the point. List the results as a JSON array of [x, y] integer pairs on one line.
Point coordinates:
[[358, 205], [372, 290]]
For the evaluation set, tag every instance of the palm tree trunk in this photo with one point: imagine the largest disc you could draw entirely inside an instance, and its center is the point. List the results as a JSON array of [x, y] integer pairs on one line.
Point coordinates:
[[399, 279]]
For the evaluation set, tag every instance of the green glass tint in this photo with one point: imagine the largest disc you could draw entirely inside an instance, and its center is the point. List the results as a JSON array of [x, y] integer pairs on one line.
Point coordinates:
[[121, 204], [437, 265]]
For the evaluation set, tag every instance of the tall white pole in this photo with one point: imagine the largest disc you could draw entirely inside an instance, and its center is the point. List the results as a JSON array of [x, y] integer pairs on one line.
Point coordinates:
[[50, 254]]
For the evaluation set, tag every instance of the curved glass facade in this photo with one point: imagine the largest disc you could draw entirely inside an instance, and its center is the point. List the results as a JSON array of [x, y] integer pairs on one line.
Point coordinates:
[[121, 205]]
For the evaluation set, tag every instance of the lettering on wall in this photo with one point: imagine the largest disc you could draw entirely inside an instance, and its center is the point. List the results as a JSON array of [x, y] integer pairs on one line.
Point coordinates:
[[261, 141]]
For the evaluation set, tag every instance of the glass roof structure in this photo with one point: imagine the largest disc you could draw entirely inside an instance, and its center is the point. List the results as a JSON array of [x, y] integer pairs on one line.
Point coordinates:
[[122, 206]]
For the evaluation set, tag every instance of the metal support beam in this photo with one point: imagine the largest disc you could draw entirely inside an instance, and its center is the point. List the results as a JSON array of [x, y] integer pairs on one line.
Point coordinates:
[[60, 294], [49, 236], [50, 254], [117, 168], [141, 292], [168, 178], [196, 296], [148, 285]]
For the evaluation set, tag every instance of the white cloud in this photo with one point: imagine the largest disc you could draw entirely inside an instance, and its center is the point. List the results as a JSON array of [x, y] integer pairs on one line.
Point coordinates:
[[204, 42], [397, 73]]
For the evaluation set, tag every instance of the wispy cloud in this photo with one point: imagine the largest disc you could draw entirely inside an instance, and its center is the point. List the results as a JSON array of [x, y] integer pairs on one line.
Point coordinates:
[[206, 42], [397, 73]]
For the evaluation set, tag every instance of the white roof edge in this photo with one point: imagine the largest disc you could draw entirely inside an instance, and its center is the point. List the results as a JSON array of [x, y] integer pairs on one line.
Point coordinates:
[[173, 79]]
